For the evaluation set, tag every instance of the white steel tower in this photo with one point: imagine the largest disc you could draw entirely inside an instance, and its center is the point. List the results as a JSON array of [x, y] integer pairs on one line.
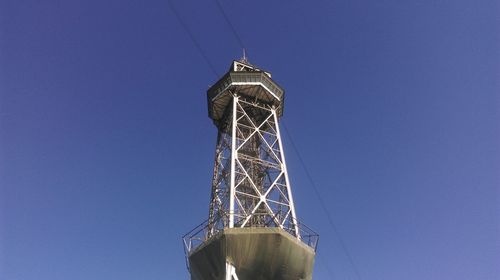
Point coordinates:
[[252, 231]]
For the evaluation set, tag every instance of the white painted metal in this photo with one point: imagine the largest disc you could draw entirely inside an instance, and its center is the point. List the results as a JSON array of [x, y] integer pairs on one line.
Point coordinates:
[[292, 206], [258, 192], [234, 156], [231, 272]]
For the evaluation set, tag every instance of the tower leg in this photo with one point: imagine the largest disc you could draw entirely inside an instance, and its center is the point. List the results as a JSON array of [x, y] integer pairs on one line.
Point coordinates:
[[231, 272]]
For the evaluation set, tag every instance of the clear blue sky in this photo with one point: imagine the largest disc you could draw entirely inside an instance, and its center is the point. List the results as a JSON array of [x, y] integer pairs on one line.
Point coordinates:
[[106, 150]]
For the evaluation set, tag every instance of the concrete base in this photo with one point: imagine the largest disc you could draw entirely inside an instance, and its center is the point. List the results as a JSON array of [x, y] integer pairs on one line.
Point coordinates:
[[256, 254]]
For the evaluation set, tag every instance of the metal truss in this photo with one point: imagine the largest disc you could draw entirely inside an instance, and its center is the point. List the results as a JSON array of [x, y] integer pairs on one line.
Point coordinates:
[[250, 185]]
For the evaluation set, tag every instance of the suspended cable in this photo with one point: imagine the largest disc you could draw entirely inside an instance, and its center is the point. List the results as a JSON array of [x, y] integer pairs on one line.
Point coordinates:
[[325, 265], [193, 39], [322, 203], [226, 18]]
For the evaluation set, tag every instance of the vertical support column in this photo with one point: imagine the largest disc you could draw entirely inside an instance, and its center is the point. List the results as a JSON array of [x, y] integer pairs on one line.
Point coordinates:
[[213, 199], [230, 272], [285, 171], [233, 163]]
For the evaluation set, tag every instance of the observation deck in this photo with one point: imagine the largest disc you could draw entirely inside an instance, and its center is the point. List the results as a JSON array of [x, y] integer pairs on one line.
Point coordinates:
[[247, 81]]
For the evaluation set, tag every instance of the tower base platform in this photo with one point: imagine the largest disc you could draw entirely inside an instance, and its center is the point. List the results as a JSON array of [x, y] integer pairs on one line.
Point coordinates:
[[252, 253]]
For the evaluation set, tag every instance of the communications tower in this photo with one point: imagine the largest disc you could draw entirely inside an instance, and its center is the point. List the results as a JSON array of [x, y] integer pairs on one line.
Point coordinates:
[[252, 231]]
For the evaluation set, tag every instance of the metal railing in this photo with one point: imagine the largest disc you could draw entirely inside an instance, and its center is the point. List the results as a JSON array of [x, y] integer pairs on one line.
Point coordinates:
[[245, 77]]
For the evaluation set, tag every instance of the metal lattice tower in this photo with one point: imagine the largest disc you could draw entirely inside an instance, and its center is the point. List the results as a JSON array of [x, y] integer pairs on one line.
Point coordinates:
[[251, 200]]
